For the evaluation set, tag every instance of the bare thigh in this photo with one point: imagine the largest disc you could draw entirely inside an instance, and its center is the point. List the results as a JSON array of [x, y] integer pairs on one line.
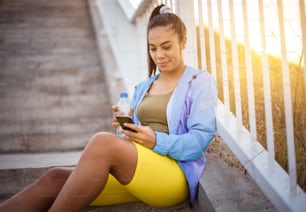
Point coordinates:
[[113, 155]]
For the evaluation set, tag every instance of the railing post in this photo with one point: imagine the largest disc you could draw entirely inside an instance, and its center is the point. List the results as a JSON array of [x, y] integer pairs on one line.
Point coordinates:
[[249, 70], [185, 9], [287, 99], [141, 47], [211, 40], [267, 86], [303, 29], [235, 67], [202, 36], [223, 54]]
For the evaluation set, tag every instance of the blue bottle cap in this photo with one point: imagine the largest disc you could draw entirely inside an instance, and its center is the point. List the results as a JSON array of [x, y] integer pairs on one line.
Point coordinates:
[[123, 95]]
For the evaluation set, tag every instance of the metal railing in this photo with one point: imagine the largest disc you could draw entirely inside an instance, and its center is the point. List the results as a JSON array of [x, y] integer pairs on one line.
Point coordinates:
[[215, 14], [221, 40]]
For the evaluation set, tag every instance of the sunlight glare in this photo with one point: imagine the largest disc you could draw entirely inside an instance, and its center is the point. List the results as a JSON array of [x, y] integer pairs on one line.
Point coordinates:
[[292, 25]]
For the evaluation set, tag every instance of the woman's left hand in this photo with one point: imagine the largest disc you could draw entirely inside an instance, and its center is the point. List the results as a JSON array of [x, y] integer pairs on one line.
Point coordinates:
[[144, 135]]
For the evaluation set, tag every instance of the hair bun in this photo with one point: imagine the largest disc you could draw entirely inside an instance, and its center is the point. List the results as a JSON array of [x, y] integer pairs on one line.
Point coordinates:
[[165, 9]]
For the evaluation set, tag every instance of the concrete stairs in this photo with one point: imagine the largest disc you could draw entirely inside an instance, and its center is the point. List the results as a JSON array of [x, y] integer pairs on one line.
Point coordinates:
[[53, 95]]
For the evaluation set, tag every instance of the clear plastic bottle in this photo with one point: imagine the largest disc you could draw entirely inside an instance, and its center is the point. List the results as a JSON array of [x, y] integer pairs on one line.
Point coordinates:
[[124, 106]]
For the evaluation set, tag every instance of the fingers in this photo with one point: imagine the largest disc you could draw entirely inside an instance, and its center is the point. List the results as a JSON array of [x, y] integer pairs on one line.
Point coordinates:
[[117, 112], [115, 109], [133, 127], [129, 134], [115, 123], [131, 111], [144, 135]]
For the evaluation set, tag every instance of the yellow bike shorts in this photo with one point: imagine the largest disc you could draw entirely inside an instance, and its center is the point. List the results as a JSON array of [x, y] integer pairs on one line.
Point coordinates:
[[158, 181]]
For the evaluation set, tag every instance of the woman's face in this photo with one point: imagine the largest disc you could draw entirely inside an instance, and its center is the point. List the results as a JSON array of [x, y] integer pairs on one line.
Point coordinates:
[[165, 48]]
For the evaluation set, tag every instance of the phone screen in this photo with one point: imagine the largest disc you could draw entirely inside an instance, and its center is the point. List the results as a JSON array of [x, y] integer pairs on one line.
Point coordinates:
[[125, 119]]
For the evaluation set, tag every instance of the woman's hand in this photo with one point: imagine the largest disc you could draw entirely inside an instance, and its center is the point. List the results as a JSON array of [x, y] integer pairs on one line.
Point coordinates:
[[117, 112], [144, 135]]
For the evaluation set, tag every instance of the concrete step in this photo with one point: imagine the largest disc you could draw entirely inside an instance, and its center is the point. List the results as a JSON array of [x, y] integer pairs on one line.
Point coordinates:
[[43, 43], [30, 72], [70, 19], [74, 61], [39, 75], [19, 170], [34, 11], [28, 143], [39, 13], [53, 126], [33, 33], [13, 46], [55, 85], [54, 107], [54, 3]]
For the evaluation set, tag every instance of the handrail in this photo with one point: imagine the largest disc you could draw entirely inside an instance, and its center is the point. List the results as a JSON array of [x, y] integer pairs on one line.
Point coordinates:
[[132, 14]]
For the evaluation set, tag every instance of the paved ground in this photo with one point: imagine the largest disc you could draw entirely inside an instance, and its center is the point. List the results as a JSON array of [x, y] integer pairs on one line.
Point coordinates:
[[226, 185]]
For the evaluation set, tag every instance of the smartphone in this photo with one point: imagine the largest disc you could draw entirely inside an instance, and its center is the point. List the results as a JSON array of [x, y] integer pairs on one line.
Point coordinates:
[[125, 119]]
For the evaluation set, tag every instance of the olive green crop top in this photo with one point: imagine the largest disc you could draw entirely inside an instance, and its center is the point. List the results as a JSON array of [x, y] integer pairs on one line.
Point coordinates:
[[152, 111]]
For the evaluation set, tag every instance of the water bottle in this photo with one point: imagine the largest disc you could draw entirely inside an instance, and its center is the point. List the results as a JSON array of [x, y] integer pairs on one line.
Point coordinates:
[[124, 106]]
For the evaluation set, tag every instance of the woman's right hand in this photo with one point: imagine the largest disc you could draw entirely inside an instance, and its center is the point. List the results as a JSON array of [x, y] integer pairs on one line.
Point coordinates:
[[117, 112]]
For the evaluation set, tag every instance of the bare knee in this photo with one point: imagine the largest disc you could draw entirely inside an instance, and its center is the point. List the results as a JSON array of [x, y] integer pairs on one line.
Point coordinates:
[[103, 137], [55, 175], [101, 144]]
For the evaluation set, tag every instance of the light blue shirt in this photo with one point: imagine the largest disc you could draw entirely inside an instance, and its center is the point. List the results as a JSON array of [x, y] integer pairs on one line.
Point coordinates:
[[191, 122]]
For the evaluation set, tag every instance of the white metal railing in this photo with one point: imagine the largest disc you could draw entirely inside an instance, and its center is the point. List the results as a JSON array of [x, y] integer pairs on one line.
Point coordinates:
[[236, 21], [216, 14]]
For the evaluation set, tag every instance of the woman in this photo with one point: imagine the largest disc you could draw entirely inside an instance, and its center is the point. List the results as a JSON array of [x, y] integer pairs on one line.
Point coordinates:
[[159, 164]]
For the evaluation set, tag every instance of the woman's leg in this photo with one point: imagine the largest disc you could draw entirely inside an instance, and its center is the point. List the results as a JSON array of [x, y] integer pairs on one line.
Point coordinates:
[[158, 180], [106, 153], [40, 195]]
